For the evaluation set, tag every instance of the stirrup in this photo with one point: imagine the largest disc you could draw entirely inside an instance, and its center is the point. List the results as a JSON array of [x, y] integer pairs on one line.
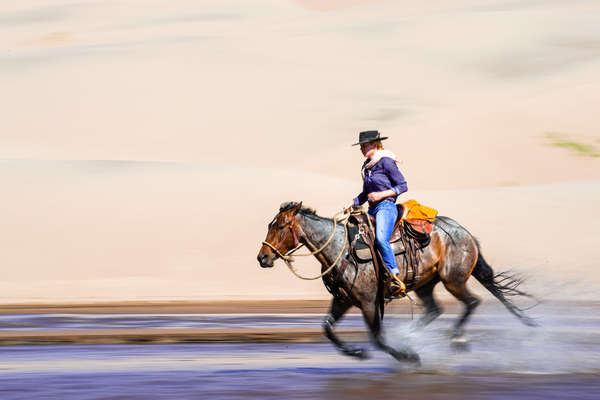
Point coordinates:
[[401, 291]]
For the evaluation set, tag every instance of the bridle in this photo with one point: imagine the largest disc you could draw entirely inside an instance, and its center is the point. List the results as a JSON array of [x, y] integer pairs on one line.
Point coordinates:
[[297, 244], [287, 257]]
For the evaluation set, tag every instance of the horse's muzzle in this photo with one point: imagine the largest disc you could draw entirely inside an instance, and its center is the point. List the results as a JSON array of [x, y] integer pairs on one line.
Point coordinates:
[[264, 260]]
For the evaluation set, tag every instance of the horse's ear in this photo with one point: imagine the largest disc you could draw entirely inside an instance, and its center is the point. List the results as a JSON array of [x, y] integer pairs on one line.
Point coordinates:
[[297, 208]]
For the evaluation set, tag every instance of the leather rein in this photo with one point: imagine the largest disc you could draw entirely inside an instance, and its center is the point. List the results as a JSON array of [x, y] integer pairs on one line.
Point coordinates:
[[288, 258]]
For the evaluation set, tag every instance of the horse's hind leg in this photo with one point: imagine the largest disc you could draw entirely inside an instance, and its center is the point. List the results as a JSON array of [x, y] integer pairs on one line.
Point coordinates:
[[371, 316], [337, 309], [460, 291], [432, 309]]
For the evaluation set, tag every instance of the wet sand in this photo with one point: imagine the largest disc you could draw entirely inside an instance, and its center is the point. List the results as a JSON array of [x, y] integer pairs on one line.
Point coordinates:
[[171, 307], [39, 334], [158, 336], [399, 306], [294, 383], [258, 350], [231, 322], [493, 369]]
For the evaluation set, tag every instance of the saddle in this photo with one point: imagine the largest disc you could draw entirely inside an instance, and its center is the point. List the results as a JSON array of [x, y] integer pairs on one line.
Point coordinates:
[[416, 229], [408, 237]]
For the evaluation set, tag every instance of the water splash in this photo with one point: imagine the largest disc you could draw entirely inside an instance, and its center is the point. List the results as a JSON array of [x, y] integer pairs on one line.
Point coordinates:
[[564, 343]]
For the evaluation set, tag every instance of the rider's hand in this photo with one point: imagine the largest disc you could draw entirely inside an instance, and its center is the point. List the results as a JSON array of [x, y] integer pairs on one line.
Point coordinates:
[[349, 207]]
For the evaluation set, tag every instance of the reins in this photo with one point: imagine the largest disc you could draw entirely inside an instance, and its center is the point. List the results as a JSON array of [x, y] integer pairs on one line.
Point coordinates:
[[288, 258]]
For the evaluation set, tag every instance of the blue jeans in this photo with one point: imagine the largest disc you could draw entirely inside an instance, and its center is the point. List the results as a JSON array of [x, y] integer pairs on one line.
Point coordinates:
[[385, 216]]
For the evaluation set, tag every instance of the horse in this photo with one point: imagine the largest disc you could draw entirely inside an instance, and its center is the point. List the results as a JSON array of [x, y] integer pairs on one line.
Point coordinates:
[[452, 256]]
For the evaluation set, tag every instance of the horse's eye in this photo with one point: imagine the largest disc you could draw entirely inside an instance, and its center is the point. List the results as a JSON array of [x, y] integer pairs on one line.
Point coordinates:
[[281, 227]]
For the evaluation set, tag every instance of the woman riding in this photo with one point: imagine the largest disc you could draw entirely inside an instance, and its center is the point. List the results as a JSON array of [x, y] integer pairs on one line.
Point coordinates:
[[382, 184]]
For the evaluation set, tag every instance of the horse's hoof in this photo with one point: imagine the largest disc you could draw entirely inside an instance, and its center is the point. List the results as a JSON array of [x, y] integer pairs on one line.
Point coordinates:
[[414, 359], [530, 322], [459, 343], [359, 353], [457, 334], [411, 358]]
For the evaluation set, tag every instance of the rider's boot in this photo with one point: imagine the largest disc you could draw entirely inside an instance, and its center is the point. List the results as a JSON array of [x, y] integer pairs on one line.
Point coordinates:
[[398, 288]]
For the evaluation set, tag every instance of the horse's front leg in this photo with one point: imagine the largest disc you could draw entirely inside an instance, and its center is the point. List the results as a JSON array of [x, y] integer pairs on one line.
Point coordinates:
[[337, 310], [371, 315]]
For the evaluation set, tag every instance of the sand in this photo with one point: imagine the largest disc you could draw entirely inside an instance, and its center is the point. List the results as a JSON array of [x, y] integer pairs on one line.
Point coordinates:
[[173, 336], [145, 149]]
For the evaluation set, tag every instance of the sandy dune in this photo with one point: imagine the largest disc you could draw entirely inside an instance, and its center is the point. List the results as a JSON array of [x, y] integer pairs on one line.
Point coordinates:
[[145, 149], [143, 231]]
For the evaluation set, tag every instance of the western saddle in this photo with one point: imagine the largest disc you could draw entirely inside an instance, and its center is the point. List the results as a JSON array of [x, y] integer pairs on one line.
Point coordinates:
[[408, 237]]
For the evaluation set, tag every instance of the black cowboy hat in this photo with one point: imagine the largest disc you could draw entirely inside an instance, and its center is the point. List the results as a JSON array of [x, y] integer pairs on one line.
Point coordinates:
[[369, 136]]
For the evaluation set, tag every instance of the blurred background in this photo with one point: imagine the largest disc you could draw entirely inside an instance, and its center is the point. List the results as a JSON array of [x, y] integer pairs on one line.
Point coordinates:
[[146, 145]]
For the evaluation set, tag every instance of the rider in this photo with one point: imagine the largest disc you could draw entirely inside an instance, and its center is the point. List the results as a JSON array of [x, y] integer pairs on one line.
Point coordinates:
[[382, 184]]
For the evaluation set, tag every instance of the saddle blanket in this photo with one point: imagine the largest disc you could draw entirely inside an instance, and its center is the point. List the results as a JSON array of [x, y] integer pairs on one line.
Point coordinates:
[[414, 210]]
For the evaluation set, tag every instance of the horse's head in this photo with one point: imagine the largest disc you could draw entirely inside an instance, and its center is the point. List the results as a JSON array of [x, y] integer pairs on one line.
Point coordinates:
[[281, 236]]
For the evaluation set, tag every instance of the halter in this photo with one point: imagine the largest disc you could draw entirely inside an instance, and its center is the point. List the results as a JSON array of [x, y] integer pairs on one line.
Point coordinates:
[[287, 257]]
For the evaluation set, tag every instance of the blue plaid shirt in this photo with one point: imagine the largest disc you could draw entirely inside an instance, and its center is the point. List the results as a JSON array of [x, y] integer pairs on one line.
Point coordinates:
[[382, 176]]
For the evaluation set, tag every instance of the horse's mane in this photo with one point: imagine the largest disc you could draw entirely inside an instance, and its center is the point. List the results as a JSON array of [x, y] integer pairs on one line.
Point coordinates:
[[291, 204], [305, 211]]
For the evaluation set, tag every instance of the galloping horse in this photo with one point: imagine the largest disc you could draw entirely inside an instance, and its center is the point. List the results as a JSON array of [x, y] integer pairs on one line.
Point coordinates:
[[452, 256]]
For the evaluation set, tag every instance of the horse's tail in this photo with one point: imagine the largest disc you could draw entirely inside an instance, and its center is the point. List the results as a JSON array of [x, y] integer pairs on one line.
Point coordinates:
[[502, 285]]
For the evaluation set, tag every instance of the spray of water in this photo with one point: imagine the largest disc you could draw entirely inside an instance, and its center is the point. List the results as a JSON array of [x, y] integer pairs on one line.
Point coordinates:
[[566, 342]]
